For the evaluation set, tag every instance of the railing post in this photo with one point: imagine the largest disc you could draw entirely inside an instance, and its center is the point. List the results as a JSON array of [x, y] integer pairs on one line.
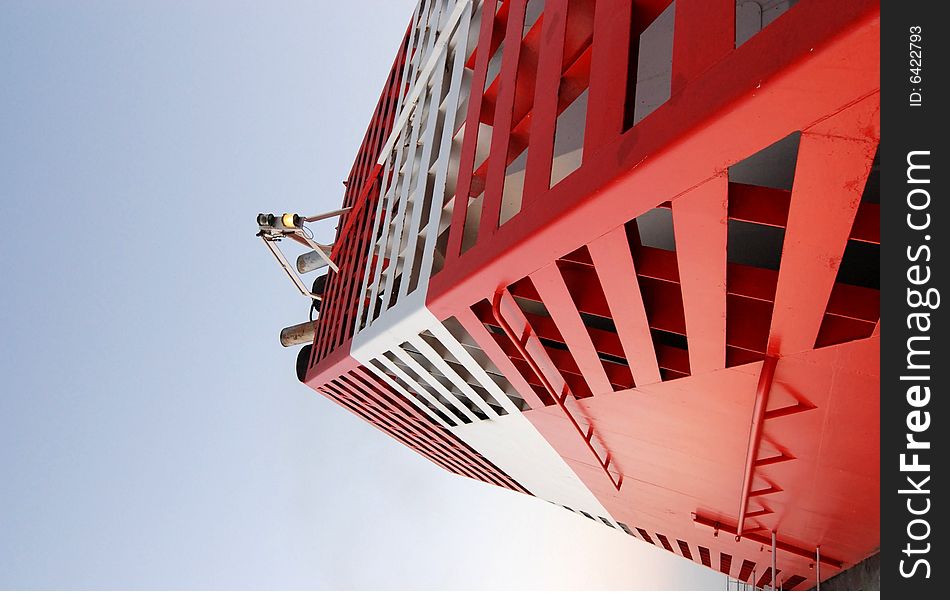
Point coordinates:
[[774, 576], [704, 33], [608, 73]]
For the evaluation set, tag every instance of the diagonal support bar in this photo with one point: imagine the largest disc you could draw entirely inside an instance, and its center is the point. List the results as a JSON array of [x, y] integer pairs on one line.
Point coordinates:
[[272, 246], [766, 375]]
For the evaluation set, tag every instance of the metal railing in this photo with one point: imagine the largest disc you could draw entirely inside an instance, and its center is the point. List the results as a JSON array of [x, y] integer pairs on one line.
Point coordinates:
[[562, 396]]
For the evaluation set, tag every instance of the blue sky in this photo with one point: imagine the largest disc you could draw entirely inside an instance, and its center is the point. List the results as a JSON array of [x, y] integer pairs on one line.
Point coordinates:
[[152, 431]]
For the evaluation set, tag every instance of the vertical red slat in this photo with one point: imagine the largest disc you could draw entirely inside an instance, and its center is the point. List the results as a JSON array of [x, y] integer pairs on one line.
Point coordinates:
[[700, 226], [359, 258], [544, 113], [558, 302], [705, 32], [608, 73], [501, 127], [470, 141], [337, 306], [618, 278], [334, 296], [352, 285]]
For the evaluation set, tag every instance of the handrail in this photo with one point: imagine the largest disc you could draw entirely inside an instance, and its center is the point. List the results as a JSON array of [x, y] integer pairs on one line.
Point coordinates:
[[559, 398], [354, 209], [755, 436], [412, 98]]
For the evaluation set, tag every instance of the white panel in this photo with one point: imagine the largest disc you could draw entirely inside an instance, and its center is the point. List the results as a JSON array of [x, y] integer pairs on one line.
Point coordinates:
[[417, 194], [514, 445], [412, 168], [460, 7], [655, 64], [569, 139]]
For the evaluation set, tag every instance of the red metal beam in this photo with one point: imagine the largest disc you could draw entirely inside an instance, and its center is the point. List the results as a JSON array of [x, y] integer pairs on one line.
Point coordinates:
[[608, 73], [559, 304], [618, 278], [545, 111], [829, 181], [681, 144], [467, 165], [705, 33], [700, 226], [503, 121]]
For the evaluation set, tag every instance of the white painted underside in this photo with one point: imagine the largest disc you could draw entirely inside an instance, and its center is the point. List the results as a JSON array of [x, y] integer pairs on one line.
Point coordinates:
[[514, 445], [510, 442]]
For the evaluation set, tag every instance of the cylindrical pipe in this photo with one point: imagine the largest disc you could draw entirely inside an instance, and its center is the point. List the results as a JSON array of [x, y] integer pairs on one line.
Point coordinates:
[[774, 576], [818, 568], [327, 215], [302, 333], [310, 261], [755, 435]]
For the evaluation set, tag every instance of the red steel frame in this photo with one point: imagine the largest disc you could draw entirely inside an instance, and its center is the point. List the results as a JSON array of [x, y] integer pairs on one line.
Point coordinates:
[[703, 129], [693, 470]]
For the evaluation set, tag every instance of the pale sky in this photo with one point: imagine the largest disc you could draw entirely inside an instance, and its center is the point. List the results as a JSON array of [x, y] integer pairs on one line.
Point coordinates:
[[152, 431]]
